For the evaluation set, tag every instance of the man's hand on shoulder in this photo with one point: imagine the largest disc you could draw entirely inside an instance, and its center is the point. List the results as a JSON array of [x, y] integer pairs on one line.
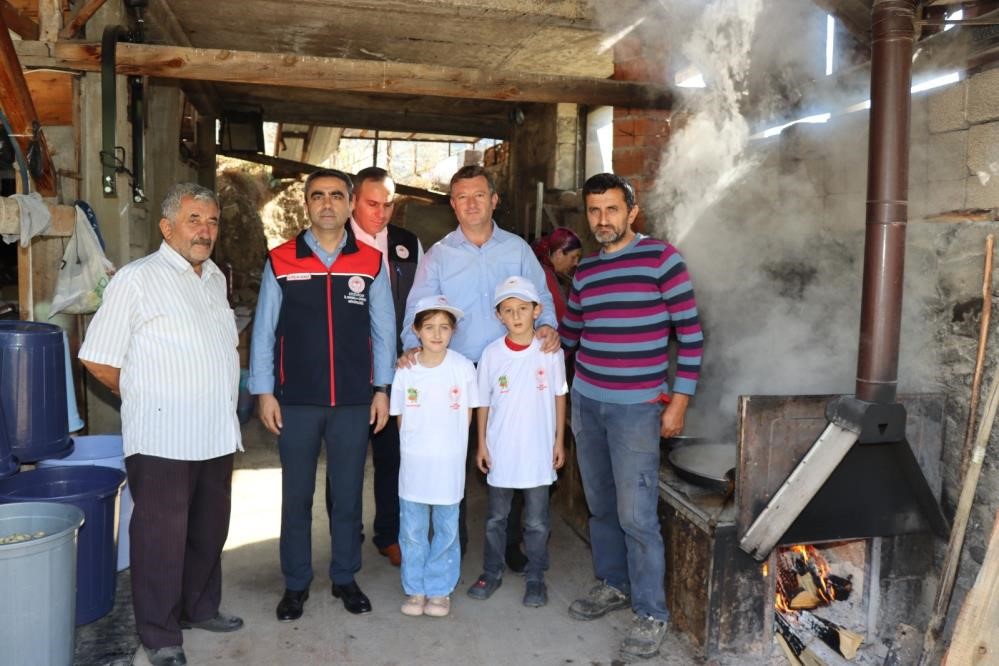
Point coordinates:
[[269, 411], [550, 342], [408, 358]]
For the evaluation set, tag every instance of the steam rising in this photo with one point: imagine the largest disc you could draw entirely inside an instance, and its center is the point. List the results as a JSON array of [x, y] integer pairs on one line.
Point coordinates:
[[772, 230]]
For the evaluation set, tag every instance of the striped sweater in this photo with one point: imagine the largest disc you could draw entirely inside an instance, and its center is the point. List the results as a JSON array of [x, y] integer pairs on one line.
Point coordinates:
[[621, 309]]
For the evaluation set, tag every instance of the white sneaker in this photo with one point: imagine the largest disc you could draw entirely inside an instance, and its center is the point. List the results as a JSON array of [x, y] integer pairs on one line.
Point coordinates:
[[413, 605], [437, 606]]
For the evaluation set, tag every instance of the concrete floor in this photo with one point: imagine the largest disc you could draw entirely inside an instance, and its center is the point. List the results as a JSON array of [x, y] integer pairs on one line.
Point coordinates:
[[498, 631]]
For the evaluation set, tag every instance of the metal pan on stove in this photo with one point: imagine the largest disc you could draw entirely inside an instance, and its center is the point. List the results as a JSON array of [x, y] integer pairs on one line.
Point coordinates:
[[704, 463]]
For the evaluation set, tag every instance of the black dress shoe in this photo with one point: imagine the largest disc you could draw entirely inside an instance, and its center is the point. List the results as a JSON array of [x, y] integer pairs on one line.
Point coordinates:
[[353, 599], [290, 607]]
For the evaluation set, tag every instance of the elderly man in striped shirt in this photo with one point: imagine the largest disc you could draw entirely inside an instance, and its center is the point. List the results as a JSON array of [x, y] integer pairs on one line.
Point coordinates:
[[623, 303], [164, 339]]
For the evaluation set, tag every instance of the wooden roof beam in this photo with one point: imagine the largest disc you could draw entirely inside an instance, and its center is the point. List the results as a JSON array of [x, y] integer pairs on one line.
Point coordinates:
[[81, 18], [15, 99], [18, 21], [457, 125], [320, 73]]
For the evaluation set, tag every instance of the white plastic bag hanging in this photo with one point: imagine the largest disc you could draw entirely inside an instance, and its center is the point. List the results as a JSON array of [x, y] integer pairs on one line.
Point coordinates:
[[84, 273]]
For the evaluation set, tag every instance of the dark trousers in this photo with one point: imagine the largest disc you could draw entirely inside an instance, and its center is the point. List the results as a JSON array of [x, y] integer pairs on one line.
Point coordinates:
[[536, 529], [179, 524], [385, 459], [344, 429]]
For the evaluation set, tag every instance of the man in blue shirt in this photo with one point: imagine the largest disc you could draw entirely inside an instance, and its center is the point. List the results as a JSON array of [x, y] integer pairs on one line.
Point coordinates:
[[323, 296], [465, 266]]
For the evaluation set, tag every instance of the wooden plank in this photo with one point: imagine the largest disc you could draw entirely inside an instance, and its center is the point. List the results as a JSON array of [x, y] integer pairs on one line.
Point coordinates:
[[63, 218], [15, 99], [81, 18], [203, 95], [52, 95], [318, 73], [18, 21], [975, 640], [49, 19]]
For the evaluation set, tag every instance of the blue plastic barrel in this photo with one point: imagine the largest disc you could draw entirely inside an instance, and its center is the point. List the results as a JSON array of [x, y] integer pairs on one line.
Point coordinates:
[[94, 490], [33, 417], [106, 451]]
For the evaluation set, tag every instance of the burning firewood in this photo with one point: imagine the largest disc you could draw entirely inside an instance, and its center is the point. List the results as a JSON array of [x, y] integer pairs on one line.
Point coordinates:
[[798, 654], [842, 587], [839, 638]]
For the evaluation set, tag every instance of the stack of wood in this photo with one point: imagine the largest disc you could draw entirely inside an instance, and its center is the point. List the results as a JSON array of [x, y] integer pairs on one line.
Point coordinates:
[[802, 585]]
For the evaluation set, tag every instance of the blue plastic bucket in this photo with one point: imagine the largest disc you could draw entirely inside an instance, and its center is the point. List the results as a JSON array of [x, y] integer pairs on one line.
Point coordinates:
[[94, 490], [38, 579], [105, 451], [33, 416]]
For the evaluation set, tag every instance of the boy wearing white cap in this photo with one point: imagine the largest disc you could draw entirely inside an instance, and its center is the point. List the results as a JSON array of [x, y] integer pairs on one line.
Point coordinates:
[[520, 426], [433, 400]]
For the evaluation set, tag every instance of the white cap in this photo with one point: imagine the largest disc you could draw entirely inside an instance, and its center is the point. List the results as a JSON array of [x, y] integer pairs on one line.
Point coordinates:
[[516, 286], [437, 303]]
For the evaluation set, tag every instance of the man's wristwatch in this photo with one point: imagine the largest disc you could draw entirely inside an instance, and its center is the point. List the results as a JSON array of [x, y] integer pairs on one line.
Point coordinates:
[[379, 388]]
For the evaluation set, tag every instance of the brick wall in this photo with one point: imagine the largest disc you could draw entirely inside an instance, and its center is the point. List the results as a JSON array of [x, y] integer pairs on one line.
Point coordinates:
[[640, 135]]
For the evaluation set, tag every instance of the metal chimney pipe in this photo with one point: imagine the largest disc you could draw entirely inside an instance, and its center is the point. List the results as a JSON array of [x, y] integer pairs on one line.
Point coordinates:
[[892, 34]]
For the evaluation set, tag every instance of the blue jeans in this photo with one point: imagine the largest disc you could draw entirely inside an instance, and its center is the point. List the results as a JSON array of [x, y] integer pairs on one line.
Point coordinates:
[[429, 567], [617, 447], [536, 528]]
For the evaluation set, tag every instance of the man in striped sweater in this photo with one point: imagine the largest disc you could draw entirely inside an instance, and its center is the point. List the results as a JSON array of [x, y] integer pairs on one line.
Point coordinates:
[[623, 304]]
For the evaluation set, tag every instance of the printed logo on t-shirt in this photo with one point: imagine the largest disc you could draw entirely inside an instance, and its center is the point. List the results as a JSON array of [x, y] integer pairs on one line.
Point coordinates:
[[540, 374], [455, 394], [412, 397], [504, 384]]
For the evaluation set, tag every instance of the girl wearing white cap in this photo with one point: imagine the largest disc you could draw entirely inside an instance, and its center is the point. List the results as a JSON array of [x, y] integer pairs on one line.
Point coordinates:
[[433, 400]]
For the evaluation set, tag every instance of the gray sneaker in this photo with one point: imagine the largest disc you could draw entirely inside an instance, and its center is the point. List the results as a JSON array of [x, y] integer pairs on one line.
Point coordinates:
[[601, 600], [536, 594], [644, 639]]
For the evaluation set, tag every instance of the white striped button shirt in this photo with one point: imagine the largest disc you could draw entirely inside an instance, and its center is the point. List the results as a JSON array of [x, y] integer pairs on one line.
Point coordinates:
[[173, 335]]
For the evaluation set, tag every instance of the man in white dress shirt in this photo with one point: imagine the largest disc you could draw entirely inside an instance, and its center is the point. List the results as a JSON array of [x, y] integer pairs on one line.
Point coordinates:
[[164, 339]]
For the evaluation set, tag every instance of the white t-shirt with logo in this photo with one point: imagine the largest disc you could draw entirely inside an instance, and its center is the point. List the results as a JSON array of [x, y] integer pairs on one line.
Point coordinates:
[[433, 438], [519, 387]]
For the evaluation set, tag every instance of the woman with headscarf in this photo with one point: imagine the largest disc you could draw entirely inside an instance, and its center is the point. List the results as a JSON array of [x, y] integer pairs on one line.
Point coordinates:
[[559, 253]]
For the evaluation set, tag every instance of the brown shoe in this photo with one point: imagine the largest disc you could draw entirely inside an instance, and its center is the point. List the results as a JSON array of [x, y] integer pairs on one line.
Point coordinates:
[[393, 554]]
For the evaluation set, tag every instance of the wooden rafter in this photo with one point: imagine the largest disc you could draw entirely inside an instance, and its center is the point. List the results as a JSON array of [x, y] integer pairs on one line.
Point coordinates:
[[318, 73], [81, 18], [15, 99], [18, 21]]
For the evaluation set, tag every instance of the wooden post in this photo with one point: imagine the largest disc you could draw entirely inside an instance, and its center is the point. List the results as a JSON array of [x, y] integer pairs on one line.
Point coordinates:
[[975, 639], [49, 19], [81, 18]]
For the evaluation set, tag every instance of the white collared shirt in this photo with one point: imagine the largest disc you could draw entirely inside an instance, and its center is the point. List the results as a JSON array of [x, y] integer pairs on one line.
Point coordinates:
[[173, 335], [380, 242]]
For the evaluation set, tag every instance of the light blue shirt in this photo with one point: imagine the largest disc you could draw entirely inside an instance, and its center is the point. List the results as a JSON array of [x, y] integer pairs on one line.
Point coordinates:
[[269, 309], [467, 275]]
